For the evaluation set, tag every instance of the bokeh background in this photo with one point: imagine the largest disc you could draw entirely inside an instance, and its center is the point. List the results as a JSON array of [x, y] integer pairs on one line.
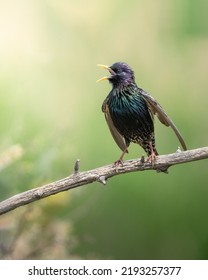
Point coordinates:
[[51, 115]]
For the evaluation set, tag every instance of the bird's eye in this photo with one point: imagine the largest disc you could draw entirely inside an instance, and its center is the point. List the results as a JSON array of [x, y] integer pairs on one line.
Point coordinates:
[[118, 71]]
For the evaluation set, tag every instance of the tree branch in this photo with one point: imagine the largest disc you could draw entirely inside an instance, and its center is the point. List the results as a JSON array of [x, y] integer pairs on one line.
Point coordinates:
[[101, 175]]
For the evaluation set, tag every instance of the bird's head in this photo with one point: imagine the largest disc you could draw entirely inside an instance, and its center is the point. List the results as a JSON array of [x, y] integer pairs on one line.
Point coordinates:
[[120, 74]]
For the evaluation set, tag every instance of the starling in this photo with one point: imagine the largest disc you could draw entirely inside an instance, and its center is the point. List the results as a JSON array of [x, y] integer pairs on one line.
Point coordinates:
[[129, 112]]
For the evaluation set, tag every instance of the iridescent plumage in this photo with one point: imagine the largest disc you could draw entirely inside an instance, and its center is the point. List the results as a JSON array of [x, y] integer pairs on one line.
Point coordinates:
[[129, 112]]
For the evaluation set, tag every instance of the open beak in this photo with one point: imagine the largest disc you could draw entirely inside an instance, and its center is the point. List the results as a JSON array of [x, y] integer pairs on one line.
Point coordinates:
[[107, 68]]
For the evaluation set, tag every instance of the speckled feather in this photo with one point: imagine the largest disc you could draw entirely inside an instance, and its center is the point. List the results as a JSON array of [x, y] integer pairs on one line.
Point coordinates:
[[131, 116], [129, 112]]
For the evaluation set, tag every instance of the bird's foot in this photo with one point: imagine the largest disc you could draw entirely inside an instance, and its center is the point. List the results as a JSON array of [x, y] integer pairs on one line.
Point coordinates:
[[120, 160], [117, 163], [152, 158]]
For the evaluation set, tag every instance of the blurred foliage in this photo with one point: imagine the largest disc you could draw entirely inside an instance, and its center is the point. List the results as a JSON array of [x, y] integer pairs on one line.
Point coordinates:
[[51, 108]]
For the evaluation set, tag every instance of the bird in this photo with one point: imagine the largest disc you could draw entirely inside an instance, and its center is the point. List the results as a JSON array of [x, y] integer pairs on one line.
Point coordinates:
[[129, 112]]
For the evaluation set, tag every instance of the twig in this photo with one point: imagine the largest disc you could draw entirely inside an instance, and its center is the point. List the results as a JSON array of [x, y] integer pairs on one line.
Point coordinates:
[[76, 167], [101, 175]]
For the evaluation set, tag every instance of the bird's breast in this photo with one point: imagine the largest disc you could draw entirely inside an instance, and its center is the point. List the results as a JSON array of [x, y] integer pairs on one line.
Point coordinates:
[[130, 115]]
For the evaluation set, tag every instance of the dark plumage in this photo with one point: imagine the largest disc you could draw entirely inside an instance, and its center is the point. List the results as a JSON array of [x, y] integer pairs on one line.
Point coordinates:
[[129, 112]]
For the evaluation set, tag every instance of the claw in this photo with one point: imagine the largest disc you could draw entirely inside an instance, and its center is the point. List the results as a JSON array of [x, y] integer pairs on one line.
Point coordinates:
[[118, 162], [152, 158]]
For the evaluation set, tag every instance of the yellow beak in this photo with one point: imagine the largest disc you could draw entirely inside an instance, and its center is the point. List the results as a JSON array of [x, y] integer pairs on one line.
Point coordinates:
[[107, 68], [104, 66], [102, 79]]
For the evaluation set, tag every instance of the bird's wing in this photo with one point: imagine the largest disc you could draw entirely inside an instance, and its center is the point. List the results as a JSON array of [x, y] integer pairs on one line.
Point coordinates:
[[119, 139], [162, 116]]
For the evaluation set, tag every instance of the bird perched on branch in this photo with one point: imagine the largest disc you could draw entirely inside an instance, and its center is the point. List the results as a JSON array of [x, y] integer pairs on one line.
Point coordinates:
[[129, 112]]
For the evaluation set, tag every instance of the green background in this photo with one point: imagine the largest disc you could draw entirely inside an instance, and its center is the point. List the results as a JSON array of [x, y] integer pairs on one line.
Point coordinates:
[[51, 115]]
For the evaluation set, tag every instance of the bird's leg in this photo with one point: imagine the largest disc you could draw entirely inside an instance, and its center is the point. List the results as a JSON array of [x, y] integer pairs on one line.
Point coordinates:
[[120, 160], [152, 156]]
